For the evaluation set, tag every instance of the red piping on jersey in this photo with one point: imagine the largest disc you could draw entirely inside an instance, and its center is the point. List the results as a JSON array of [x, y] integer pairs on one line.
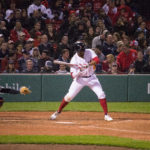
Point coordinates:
[[96, 59], [72, 75]]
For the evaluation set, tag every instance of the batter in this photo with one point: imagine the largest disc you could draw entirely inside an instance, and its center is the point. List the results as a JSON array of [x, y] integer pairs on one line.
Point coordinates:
[[84, 75]]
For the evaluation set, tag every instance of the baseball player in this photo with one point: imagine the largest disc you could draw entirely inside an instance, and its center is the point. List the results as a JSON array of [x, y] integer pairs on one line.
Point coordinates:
[[83, 75], [23, 90]]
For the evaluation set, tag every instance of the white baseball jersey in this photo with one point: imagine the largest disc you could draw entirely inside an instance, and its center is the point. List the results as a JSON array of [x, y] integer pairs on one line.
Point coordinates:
[[80, 62], [85, 78], [34, 7]]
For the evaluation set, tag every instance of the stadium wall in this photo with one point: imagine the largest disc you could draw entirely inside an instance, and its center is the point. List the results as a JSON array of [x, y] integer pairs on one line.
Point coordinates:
[[49, 87]]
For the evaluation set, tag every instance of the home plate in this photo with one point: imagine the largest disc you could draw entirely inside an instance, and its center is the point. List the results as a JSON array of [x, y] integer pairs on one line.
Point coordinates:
[[62, 122]]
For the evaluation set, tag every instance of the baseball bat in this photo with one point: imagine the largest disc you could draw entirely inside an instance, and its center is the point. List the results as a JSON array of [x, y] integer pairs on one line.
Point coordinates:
[[63, 63], [69, 64]]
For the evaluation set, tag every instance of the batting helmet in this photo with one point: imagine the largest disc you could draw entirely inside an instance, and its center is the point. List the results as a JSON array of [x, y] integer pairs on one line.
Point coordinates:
[[79, 46]]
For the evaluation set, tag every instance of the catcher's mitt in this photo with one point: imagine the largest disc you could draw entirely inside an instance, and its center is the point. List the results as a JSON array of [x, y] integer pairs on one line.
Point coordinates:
[[1, 101], [24, 90]]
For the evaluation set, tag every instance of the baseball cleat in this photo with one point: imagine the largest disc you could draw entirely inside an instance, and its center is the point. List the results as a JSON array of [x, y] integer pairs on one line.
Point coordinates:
[[108, 118], [54, 115]]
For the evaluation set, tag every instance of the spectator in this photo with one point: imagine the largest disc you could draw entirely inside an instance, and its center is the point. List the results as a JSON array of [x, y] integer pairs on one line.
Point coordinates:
[[3, 29], [139, 63], [1, 39], [29, 67], [19, 50], [116, 38], [9, 16], [35, 57], [124, 12], [4, 50], [114, 69], [90, 36], [101, 56], [105, 20], [98, 40], [78, 30], [51, 33], [97, 31], [25, 19], [121, 25], [110, 8], [29, 45], [62, 70], [134, 45], [11, 67], [119, 46], [36, 5], [125, 58], [45, 45], [48, 68], [142, 28], [146, 68], [100, 23], [21, 39], [11, 46], [106, 64], [11, 57], [64, 57], [44, 57], [22, 60], [17, 29], [108, 45], [35, 29], [147, 54], [64, 44], [36, 17], [142, 44], [37, 39], [17, 16]]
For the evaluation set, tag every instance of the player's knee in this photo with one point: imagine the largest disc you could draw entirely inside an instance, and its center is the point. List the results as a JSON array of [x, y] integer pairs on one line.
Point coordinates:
[[68, 98], [101, 96]]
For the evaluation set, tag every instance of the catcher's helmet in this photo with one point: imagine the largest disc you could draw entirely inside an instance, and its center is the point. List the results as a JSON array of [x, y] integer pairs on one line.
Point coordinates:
[[79, 46]]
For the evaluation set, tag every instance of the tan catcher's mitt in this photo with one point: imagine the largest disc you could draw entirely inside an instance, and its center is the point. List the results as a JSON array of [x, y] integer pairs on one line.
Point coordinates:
[[24, 90]]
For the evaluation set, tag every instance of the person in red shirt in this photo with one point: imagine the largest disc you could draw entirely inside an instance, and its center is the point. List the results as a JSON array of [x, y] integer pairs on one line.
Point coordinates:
[[125, 58], [18, 29]]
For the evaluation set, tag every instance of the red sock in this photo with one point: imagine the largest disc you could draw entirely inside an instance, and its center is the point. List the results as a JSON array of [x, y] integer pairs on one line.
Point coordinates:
[[104, 105], [62, 105]]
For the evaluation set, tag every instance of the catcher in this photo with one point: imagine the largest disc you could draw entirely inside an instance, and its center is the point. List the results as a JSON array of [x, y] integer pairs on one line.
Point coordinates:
[[23, 90]]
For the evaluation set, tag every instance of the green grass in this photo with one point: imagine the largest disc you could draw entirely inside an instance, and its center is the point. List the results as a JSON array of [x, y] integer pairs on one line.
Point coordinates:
[[80, 140], [136, 107]]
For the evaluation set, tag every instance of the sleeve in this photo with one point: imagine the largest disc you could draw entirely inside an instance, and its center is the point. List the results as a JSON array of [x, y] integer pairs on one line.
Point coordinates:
[[75, 72], [43, 9], [96, 59], [30, 10], [93, 54]]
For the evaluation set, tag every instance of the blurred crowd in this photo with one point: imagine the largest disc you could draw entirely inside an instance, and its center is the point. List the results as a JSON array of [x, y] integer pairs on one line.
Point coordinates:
[[32, 37]]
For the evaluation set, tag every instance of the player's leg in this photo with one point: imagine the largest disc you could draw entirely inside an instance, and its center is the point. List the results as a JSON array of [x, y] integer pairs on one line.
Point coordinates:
[[96, 87], [73, 91], [8, 90]]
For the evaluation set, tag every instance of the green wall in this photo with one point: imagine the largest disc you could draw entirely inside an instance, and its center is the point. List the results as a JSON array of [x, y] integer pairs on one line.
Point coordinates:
[[139, 88], [33, 82], [54, 87]]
